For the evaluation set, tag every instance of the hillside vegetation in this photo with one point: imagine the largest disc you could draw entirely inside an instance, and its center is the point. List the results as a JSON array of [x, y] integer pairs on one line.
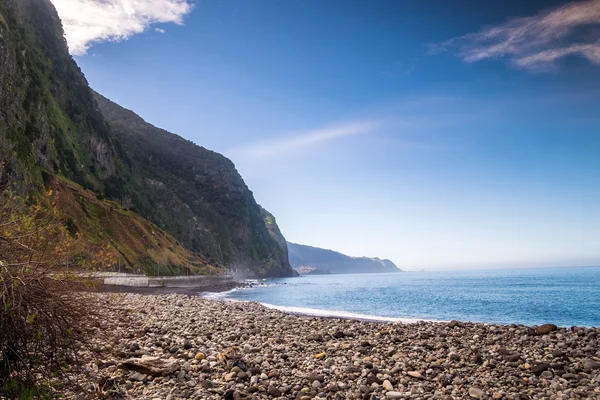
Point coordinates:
[[123, 237], [197, 195], [54, 130]]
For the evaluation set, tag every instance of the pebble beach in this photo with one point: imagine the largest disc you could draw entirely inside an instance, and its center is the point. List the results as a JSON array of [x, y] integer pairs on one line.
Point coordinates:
[[177, 346]]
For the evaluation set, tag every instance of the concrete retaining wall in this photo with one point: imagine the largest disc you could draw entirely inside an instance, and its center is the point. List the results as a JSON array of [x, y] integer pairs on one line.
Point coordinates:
[[165, 281], [128, 281]]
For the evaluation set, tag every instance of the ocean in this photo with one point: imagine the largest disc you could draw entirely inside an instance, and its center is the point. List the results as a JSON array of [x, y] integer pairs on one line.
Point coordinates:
[[563, 296]]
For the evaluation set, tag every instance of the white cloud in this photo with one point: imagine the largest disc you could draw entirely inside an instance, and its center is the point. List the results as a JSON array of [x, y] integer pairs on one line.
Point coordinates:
[[304, 139], [92, 21], [537, 42], [159, 30]]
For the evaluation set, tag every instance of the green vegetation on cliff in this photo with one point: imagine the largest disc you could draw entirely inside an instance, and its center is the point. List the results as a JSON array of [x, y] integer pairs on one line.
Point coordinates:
[[197, 195], [48, 117], [51, 126], [122, 237]]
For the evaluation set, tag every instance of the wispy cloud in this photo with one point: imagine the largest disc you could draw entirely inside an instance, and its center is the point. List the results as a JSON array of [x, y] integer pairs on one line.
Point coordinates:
[[159, 30], [92, 21], [538, 42], [304, 139]]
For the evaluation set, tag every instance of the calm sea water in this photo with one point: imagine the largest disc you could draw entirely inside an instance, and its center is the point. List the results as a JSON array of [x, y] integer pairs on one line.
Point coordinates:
[[563, 296]]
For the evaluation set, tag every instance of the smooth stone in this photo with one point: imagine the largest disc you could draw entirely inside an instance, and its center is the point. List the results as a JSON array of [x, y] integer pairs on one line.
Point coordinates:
[[539, 368], [415, 374], [387, 385], [545, 329], [315, 377], [590, 364], [230, 376], [476, 393], [138, 377], [394, 395], [273, 391], [547, 375], [453, 324]]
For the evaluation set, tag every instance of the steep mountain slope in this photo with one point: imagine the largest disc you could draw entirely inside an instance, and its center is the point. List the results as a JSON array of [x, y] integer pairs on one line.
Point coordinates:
[[48, 117], [51, 127], [197, 195], [121, 236], [307, 259], [276, 234]]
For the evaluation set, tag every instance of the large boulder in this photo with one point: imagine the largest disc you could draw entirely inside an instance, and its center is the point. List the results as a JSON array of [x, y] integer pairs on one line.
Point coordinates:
[[545, 329]]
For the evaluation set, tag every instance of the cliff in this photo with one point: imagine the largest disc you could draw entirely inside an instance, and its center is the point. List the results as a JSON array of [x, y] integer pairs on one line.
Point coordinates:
[[313, 260], [54, 130], [195, 194], [48, 117]]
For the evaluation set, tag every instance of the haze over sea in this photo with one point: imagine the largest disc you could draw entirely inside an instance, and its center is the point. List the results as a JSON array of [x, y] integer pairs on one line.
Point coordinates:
[[563, 296]]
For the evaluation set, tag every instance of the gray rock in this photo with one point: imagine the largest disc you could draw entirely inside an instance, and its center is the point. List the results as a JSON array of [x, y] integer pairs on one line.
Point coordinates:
[[274, 391], [539, 368], [547, 375], [571, 377], [316, 337], [476, 393], [590, 364], [315, 377], [138, 377], [394, 395]]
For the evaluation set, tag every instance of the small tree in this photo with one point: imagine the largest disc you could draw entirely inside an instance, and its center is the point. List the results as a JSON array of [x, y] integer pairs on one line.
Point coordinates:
[[41, 309]]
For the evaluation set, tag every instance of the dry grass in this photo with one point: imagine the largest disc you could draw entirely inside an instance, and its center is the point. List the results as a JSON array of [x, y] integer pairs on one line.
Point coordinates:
[[42, 312]]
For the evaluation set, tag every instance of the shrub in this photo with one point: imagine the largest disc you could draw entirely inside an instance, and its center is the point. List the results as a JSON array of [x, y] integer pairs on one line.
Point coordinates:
[[42, 311]]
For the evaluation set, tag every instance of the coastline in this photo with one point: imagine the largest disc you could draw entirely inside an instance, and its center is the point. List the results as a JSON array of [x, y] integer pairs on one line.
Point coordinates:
[[176, 346], [214, 285], [218, 289]]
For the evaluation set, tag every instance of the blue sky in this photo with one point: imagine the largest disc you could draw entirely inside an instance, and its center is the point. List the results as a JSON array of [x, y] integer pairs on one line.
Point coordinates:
[[438, 134]]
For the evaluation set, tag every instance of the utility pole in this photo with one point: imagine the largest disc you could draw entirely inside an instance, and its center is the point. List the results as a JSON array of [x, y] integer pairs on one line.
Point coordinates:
[[119, 261]]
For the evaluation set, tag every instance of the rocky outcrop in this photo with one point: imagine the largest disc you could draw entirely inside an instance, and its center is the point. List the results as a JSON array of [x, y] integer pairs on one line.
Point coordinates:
[[48, 117], [313, 260], [198, 196]]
